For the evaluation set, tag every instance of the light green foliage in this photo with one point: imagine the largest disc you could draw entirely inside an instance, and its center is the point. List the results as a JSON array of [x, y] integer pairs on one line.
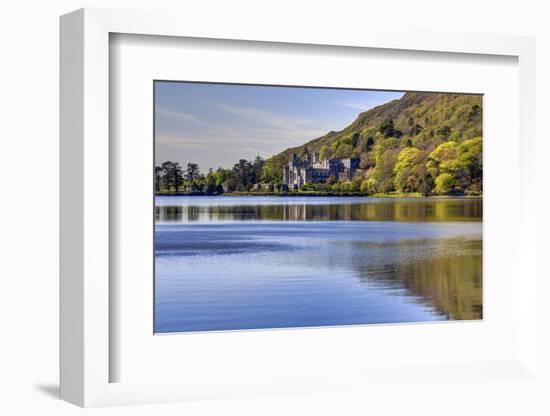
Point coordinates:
[[346, 139], [445, 151], [471, 149], [370, 186], [384, 170], [373, 186], [344, 186], [353, 186], [409, 171], [439, 159], [271, 172], [324, 152], [364, 186], [222, 175], [444, 183], [343, 151], [408, 157], [463, 162]]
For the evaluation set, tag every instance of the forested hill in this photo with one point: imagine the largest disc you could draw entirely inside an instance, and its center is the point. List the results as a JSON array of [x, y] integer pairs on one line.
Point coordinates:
[[422, 142]]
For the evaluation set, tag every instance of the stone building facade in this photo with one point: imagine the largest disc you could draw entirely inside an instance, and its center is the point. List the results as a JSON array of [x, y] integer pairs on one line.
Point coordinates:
[[311, 169]]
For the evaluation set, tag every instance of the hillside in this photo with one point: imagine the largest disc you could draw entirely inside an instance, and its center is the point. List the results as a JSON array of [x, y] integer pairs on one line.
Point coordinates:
[[423, 142]]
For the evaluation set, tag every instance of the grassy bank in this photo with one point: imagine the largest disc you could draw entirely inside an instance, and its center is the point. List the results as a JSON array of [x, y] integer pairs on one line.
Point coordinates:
[[320, 194]]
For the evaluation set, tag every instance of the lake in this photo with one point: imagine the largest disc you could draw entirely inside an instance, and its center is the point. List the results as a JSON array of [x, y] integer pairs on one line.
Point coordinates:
[[228, 263]]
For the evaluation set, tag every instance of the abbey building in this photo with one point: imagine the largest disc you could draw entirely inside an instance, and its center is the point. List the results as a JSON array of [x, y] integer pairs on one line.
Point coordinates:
[[311, 169]]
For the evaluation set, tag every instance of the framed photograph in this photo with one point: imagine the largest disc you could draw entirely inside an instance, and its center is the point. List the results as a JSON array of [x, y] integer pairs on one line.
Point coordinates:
[[264, 213], [265, 220]]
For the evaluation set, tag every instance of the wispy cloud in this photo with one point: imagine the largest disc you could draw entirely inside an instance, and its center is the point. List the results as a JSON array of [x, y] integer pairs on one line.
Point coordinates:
[[370, 101], [362, 105], [176, 115], [209, 142], [265, 118]]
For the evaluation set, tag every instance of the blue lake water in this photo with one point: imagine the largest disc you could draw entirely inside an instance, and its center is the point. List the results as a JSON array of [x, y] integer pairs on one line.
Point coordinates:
[[226, 263]]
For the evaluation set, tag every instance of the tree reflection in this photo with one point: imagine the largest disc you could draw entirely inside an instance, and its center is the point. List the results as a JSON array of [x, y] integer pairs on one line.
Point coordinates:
[[447, 277], [383, 210], [442, 273]]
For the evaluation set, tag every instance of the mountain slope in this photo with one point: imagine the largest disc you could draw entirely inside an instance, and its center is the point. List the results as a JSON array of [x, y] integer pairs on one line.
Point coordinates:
[[421, 121]]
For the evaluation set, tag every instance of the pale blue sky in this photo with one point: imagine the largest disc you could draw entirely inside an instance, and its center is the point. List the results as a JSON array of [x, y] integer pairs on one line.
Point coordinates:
[[218, 124]]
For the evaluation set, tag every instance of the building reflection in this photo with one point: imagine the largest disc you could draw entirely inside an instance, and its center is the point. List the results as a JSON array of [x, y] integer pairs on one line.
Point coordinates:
[[392, 210]]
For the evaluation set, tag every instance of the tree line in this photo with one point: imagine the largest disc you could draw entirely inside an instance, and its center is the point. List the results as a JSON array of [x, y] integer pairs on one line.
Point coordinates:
[[171, 177], [452, 167], [430, 144]]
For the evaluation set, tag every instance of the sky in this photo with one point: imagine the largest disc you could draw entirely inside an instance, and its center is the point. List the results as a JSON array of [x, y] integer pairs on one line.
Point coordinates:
[[218, 124]]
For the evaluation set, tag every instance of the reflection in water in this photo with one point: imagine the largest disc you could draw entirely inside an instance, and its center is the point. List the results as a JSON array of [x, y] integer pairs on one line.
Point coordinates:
[[366, 209], [271, 263], [448, 278]]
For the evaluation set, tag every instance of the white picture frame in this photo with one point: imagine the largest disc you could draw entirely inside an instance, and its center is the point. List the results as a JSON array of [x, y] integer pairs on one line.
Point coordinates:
[[86, 263]]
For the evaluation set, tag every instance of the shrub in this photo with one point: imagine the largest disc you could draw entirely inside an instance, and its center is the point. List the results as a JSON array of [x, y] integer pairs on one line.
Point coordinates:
[[444, 183]]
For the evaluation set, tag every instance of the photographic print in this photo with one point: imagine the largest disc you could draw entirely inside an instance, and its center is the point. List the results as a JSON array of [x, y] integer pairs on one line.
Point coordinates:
[[294, 207]]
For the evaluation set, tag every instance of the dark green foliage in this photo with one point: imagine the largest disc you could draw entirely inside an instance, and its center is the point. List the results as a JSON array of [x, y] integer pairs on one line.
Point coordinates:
[[475, 114], [168, 177], [388, 129], [192, 172], [415, 129], [243, 176], [370, 143], [243, 173], [158, 177], [444, 132], [355, 139]]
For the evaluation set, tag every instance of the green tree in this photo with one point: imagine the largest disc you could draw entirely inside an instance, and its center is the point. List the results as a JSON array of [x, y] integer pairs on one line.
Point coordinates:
[[387, 128], [444, 183], [470, 155], [271, 171], [230, 185], [464, 162], [355, 139], [222, 175], [416, 129], [370, 143], [343, 151], [173, 175], [331, 180], [159, 173], [445, 132], [385, 156], [408, 170], [441, 158], [364, 186], [244, 174], [369, 186], [192, 172], [257, 170], [324, 153], [211, 183], [474, 116]]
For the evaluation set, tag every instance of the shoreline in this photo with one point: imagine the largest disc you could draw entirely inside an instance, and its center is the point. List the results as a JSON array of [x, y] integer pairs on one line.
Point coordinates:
[[318, 195]]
